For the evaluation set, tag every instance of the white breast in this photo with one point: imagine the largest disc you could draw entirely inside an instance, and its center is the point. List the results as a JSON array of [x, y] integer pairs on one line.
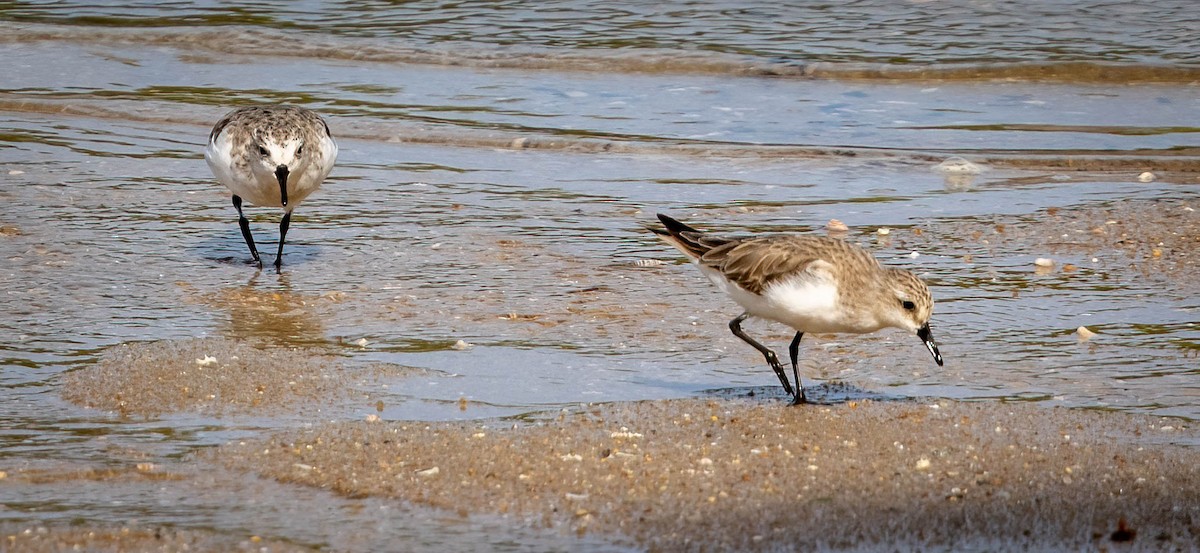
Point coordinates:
[[315, 173], [218, 154]]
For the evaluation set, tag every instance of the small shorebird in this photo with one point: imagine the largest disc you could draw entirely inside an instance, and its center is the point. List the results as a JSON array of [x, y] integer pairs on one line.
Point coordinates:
[[810, 283], [271, 156]]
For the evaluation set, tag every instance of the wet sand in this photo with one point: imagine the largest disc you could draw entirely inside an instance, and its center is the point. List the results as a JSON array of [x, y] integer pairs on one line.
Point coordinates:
[[1149, 240], [759, 475], [494, 188], [215, 376], [727, 473], [733, 474], [126, 539]]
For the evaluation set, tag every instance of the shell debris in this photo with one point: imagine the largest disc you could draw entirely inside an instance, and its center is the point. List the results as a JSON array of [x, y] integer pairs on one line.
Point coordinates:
[[1084, 334], [958, 166], [1146, 177], [625, 433]]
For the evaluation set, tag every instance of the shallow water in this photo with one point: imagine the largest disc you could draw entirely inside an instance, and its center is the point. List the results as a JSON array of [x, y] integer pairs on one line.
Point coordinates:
[[499, 164]]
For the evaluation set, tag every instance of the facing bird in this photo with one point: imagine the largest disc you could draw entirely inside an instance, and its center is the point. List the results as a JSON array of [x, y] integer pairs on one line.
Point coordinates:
[[810, 283], [270, 156]]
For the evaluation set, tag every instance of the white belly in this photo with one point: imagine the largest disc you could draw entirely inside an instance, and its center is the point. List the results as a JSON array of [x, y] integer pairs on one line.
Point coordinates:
[[805, 304], [262, 188]]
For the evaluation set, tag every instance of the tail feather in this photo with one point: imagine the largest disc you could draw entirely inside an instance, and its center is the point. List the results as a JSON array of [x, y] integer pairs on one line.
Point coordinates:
[[688, 240], [673, 225]]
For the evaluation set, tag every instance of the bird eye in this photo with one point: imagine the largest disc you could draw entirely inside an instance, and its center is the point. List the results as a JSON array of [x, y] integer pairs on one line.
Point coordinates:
[[908, 305], [262, 151]]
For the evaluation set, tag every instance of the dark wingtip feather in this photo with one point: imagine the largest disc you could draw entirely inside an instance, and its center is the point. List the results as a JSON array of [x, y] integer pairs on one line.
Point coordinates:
[[674, 226], [689, 240]]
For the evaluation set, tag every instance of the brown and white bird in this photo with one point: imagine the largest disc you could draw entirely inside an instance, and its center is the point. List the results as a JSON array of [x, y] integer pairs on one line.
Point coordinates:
[[271, 156], [810, 283]]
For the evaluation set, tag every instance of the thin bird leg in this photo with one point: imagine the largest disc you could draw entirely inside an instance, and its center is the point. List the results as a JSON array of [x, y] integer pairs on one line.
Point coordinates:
[[736, 326], [245, 225], [794, 350], [283, 226]]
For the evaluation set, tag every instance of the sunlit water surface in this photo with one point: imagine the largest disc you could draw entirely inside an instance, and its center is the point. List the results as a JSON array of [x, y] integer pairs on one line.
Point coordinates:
[[505, 206]]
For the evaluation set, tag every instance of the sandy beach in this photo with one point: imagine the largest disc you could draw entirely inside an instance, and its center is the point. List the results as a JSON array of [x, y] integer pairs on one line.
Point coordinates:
[[475, 343]]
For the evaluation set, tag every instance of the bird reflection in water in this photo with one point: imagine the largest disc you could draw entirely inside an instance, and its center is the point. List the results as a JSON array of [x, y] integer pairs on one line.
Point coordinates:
[[271, 313]]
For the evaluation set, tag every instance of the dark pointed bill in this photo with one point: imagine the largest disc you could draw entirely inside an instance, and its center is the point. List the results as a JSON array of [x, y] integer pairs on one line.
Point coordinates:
[[927, 336], [281, 174]]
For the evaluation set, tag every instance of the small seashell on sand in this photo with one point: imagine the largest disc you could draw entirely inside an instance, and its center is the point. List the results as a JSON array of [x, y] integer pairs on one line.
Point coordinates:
[[372, 418], [923, 463], [649, 262], [428, 472], [1084, 334], [625, 434], [883, 231], [362, 342], [958, 165], [1043, 262], [206, 361], [834, 225], [460, 345], [1147, 177]]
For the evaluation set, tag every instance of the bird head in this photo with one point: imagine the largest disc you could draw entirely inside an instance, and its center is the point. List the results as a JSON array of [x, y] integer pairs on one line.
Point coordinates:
[[276, 158], [910, 307]]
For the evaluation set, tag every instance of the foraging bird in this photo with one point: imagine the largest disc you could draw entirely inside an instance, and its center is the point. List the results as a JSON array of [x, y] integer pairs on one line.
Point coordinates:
[[810, 283], [271, 156]]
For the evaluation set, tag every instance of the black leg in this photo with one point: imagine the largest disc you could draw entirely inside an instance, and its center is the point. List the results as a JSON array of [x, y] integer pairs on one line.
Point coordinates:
[[283, 226], [245, 225], [736, 326], [794, 351]]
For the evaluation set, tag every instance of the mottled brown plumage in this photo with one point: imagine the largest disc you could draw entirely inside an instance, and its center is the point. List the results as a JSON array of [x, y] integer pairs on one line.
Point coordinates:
[[270, 156], [811, 283]]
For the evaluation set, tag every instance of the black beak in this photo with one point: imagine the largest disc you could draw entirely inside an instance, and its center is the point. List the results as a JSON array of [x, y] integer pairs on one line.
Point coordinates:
[[281, 173], [927, 336]]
